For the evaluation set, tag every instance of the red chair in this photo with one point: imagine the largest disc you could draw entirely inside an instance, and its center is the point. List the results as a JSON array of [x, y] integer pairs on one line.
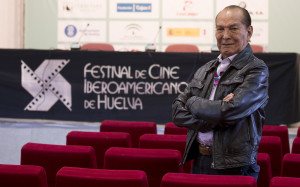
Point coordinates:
[[171, 128], [285, 182], [291, 165], [280, 131], [100, 141], [18, 175], [79, 177], [134, 128], [97, 47], [296, 146], [272, 146], [155, 162], [54, 157], [257, 48], [265, 173], [182, 48], [195, 180], [298, 132], [166, 141]]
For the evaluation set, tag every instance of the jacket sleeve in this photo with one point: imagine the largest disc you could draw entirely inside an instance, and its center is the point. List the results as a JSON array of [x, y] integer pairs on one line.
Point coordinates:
[[182, 117], [250, 95]]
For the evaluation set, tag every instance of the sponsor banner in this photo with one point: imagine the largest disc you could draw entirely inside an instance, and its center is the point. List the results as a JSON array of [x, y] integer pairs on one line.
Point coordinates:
[[258, 9], [187, 32], [131, 86], [187, 9], [133, 9], [260, 33], [81, 8], [83, 31], [135, 32]]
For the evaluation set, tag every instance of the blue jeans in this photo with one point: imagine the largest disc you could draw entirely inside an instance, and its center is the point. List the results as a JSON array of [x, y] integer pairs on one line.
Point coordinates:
[[202, 165]]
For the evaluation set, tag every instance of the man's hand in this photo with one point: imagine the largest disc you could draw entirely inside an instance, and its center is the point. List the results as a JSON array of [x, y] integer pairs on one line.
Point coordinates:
[[228, 97]]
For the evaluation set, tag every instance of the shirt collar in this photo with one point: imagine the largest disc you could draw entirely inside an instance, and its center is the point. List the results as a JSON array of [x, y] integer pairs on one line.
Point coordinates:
[[228, 59]]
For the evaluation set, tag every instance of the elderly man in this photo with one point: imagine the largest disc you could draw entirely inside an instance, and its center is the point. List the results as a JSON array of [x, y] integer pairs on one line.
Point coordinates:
[[223, 105]]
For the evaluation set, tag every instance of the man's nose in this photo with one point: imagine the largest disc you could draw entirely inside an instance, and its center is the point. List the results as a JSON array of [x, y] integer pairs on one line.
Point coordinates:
[[226, 34]]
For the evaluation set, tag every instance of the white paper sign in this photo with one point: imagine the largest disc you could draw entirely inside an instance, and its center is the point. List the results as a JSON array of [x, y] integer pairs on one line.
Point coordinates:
[[133, 9], [260, 33], [187, 9], [188, 32], [258, 9], [133, 32], [81, 8], [83, 31]]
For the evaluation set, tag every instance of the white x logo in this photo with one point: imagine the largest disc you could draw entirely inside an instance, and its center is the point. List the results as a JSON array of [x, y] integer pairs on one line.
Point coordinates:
[[46, 85]]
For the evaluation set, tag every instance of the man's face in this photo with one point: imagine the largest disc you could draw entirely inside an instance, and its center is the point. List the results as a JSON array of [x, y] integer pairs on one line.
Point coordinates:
[[231, 34]]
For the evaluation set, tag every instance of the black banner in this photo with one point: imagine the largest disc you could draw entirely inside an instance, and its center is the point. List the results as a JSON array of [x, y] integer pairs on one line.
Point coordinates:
[[139, 86]]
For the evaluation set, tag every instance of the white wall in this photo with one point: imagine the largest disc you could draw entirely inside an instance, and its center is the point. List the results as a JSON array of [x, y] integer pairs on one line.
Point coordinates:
[[12, 23]]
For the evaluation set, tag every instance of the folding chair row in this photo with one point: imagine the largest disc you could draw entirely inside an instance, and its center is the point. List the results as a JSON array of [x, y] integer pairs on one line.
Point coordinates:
[[154, 162], [35, 176], [101, 141], [138, 128]]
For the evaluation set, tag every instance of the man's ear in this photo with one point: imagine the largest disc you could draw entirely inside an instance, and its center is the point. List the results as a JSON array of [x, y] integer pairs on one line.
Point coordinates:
[[250, 32]]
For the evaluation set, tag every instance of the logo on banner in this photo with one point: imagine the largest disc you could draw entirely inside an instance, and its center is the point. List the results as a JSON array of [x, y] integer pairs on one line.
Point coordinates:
[[133, 32], [46, 85], [188, 9], [184, 32], [134, 7], [70, 31], [67, 6]]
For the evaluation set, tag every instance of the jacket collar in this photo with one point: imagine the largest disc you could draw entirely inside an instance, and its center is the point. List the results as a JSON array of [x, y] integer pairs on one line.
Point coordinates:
[[240, 60]]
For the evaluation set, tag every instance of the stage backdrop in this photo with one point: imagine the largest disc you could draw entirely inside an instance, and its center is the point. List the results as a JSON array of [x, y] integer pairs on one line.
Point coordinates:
[[94, 86], [132, 24]]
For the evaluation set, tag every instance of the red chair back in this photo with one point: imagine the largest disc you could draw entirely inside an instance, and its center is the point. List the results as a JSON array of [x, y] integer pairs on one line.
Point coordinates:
[[285, 182], [155, 162], [257, 48], [182, 48], [194, 180], [272, 146], [280, 131], [166, 141], [54, 157], [296, 146], [97, 47], [265, 173], [79, 177], [134, 128], [100, 141], [291, 165], [19, 175], [171, 128]]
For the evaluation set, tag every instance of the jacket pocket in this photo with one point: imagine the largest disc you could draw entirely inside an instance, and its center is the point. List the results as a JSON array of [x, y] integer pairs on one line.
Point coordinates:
[[230, 84], [196, 87], [236, 80]]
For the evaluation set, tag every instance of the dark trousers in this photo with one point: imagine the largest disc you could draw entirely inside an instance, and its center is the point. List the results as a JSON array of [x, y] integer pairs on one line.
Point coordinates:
[[202, 165]]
